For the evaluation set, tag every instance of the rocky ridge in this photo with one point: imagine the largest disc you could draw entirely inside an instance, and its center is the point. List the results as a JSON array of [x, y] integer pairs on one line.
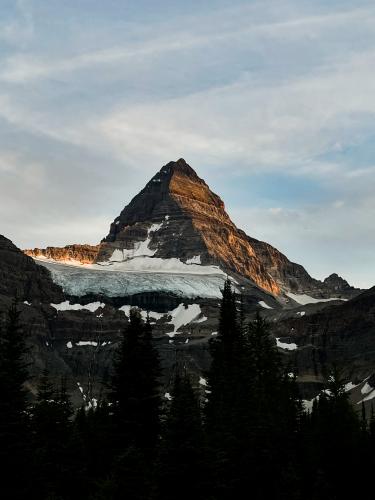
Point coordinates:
[[84, 254]]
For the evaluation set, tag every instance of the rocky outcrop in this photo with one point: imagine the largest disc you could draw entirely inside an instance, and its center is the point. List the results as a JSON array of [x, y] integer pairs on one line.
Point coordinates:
[[21, 277], [85, 254], [343, 335]]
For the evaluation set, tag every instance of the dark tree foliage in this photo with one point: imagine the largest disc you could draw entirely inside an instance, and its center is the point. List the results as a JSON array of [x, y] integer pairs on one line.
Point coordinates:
[[14, 419], [245, 436], [135, 395], [335, 445], [182, 451], [135, 413]]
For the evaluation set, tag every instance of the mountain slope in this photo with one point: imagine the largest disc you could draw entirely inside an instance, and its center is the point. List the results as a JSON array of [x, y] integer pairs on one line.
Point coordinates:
[[339, 334], [21, 277]]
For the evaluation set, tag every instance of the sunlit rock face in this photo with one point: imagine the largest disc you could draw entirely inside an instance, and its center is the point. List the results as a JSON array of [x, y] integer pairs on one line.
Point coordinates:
[[180, 217], [192, 225], [84, 254]]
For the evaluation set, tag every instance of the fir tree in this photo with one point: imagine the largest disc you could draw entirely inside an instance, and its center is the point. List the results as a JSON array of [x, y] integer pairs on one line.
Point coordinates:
[[135, 387], [14, 418], [51, 426], [135, 410], [182, 454]]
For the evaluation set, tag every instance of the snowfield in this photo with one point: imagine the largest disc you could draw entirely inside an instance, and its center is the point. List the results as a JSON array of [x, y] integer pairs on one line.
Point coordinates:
[[304, 299]]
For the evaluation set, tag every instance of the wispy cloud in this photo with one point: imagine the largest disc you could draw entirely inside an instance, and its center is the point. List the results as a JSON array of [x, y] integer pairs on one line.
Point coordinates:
[[91, 107]]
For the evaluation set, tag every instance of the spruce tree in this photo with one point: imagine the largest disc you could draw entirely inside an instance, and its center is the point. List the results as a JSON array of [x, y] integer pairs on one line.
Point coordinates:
[[51, 430], [135, 387], [335, 444], [182, 455], [135, 409], [14, 417]]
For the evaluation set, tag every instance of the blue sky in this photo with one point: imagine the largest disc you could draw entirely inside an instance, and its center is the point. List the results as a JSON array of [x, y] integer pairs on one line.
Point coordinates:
[[272, 102]]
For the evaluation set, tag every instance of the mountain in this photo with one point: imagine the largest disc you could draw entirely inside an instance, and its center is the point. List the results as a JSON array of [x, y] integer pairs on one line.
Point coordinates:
[[177, 224], [169, 252], [21, 277]]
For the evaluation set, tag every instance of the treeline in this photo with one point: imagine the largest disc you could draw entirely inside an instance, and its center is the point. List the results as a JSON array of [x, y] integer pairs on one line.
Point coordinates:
[[247, 438]]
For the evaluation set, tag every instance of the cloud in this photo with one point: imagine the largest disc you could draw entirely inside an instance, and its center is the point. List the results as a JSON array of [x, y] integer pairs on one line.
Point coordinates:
[[91, 108]]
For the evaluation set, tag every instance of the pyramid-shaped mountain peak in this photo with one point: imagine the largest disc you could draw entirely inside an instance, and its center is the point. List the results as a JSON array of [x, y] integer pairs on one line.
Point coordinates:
[[181, 218], [176, 224]]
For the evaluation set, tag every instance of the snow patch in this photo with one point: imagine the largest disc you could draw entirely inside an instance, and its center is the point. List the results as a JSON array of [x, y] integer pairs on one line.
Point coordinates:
[[289, 347], [366, 388], [168, 396], [69, 345], [153, 315], [203, 381], [263, 304], [87, 342], [183, 315], [301, 313], [304, 299], [194, 260], [141, 248], [66, 306]]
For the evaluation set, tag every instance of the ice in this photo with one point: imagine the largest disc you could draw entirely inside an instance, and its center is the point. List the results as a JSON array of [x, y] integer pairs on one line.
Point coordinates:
[[147, 263], [183, 315], [66, 306], [290, 347], [83, 280], [202, 381], [263, 304], [304, 299]]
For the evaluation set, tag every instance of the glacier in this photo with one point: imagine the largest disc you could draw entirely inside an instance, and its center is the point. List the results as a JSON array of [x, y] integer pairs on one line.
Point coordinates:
[[82, 280]]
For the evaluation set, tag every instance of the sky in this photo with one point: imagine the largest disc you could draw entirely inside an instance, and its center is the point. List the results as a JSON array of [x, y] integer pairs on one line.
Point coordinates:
[[272, 102]]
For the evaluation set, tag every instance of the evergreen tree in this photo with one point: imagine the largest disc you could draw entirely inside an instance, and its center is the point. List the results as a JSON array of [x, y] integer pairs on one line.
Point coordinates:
[[51, 426], [135, 387], [135, 408], [14, 418], [182, 455], [333, 445]]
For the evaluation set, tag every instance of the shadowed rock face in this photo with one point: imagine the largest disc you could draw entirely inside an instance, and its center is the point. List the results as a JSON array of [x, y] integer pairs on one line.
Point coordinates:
[[343, 335], [20, 276]]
